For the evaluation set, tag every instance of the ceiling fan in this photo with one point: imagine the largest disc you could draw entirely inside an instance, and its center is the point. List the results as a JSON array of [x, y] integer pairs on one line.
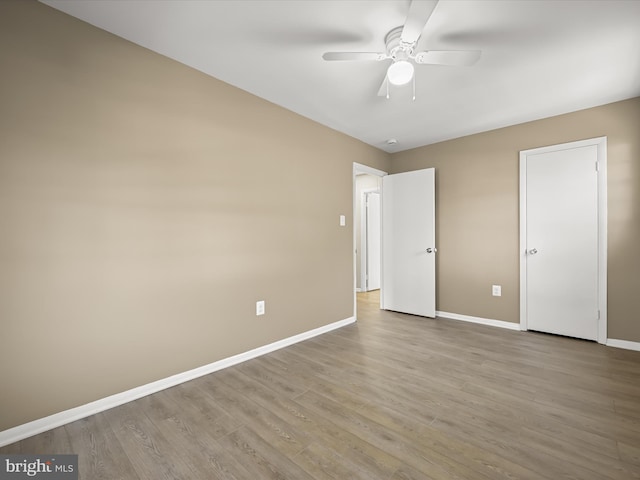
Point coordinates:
[[400, 47]]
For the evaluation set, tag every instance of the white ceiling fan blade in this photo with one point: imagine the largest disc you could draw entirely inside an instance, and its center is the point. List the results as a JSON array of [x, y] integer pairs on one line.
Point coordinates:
[[457, 58], [419, 13], [341, 56], [384, 88]]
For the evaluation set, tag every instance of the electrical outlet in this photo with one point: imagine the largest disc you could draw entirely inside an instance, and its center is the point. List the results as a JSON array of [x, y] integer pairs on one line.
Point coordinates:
[[343, 220], [260, 307], [496, 290]]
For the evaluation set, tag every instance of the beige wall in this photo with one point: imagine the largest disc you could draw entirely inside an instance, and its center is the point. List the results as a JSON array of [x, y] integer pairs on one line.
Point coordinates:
[[144, 208], [477, 211]]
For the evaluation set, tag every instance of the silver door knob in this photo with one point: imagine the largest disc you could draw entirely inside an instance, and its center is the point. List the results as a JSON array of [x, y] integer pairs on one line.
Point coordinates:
[[533, 251], [431, 250]]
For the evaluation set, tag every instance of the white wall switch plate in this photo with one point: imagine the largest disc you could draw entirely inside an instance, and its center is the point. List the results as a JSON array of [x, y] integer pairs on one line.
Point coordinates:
[[496, 290], [260, 307], [343, 220]]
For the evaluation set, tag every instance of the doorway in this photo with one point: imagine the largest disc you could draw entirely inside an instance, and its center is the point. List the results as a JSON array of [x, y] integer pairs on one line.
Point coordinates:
[[366, 181], [563, 239], [368, 234], [371, 241], [407, 240]]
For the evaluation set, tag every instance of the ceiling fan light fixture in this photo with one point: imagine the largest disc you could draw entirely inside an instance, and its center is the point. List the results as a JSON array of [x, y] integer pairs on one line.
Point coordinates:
[[400, 72]]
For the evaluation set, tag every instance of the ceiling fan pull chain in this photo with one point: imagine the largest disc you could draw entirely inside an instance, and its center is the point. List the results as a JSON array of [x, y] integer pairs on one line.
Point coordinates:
[[414, 87]]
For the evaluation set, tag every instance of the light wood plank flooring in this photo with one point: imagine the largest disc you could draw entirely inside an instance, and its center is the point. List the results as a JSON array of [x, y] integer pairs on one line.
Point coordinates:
[[391, 397]]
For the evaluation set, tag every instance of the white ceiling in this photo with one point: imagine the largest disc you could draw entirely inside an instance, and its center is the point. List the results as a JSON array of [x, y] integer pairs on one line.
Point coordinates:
[[539, 58]]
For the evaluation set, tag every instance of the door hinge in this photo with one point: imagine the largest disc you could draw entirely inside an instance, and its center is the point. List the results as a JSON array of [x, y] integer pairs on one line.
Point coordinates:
[[598, 314], [597, 166]]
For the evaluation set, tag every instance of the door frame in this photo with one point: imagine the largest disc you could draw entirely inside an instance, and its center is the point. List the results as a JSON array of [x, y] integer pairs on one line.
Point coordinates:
[[364, 249], [601, 166], [357, 169]]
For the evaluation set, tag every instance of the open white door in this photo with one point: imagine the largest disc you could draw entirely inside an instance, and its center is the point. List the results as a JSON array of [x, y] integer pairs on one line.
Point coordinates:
[[408, 243]]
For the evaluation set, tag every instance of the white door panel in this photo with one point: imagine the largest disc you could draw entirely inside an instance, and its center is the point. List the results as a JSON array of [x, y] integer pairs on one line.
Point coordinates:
[[408, 232], [561, 230]]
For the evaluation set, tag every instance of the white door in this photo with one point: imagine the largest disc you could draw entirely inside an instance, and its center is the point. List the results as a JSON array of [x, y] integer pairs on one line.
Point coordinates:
[[408, 243], [373, 241], [561, 240]]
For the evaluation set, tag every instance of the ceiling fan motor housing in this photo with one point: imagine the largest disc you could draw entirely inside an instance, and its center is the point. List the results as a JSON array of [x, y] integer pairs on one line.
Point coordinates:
[[396, 48]]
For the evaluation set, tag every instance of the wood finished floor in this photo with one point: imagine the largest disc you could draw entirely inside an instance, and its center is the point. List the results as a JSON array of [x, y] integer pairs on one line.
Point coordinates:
[[391, 397]]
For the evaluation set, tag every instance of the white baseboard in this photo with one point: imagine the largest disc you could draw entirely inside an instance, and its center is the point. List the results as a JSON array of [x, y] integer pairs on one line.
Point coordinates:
[[58, 419], [483, 321], [612, 342]]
